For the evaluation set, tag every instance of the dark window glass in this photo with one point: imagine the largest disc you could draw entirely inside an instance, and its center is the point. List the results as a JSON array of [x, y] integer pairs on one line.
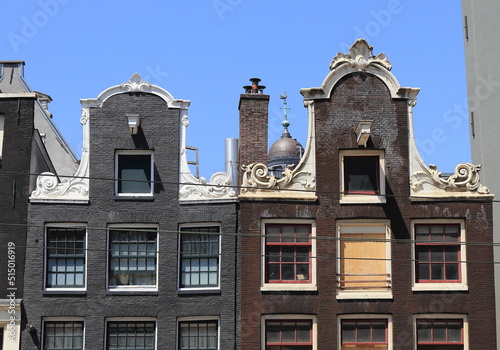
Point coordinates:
[[131, 335], [198, 335], [65, 257], [199, 257], [63, 335], [132, 257], [361, 175], [134, 173]]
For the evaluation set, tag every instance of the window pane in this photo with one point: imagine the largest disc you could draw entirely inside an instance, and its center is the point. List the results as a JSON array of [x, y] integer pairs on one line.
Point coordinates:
[[199, 257], [454, 331], [348, 332], [364, 332], [379, 332], [439, 331], [131, 335], [65, 260], [130, 263], [137, 169], [63, 335], [452, 271], [198, 335], [361, 174], [288, 258]]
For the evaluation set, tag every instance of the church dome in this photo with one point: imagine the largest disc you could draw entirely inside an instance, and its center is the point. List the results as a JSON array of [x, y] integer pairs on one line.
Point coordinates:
[[285, 151]]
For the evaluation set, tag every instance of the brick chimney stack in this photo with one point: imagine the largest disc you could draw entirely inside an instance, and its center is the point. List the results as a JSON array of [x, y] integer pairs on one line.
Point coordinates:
[[253, 109]]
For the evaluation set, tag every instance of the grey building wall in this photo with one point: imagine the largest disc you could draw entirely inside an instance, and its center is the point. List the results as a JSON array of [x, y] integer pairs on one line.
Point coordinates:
[[109, 132], [481, 38]]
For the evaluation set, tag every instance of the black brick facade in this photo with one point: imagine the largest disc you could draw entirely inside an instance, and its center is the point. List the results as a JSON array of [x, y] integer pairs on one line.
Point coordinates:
[[109, 132]]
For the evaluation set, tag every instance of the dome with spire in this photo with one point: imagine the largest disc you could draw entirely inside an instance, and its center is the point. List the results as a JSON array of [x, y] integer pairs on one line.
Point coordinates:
[[286, 151]]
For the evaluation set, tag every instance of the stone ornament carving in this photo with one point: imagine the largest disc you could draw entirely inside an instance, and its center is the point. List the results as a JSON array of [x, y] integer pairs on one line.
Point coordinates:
[[360, 56], [219, 187], [68, 189], [256, 175], [72, 189], [192, 188], [136, 84], [465, 178]]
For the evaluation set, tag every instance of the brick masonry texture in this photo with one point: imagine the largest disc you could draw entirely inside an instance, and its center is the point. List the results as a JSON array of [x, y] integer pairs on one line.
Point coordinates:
[[14, 185], [109, 132], [359, 97]]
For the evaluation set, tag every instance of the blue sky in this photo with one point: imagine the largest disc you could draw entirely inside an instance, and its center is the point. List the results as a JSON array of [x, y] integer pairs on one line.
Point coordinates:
[[205, 51]]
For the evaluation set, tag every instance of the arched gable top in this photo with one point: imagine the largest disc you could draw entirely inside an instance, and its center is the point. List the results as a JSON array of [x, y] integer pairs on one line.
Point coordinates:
[[136, 84], [359, 59]]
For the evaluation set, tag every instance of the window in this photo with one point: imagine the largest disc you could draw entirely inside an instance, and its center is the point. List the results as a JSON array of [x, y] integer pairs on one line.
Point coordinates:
[[65, 258], [198, 334], [62, 335], [137, 335], [441, 333], [364, 265], [439, 255], [199, 257], [132, 257], [288, 255], [365, 334], [289, 334], [362, 177], [134, 173], [365, 331]]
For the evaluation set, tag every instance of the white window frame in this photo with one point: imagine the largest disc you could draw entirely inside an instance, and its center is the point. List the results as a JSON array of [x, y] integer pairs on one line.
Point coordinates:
[[119, 153], [368, 226], [388, 318], [286, 317], [197, 319], [462, 317], [346, 198], [129, 319], [311, 286], [45, 260], [62, 319], [179, 258], [134, 288], [438, 286], [2, 132]]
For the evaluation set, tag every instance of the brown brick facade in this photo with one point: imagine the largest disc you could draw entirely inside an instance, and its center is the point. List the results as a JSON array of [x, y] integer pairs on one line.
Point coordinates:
[[356, 97]]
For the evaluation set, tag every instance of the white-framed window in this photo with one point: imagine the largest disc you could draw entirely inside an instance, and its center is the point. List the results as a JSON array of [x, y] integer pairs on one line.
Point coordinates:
[[63, 334], [197, 333], [199, 256], [288, 254], [65, 257], [365, 331], [362, 176], [364, 259], [289, 331], [137, 334], [132, 257], [2, 128], [134, 173], [439, 255], [441, 331]]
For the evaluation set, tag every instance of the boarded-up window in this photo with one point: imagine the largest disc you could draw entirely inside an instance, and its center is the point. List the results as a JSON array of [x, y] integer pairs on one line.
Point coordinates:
[[364, 257]]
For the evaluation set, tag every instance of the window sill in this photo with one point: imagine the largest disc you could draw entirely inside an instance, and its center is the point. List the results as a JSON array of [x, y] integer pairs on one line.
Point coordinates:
[[292, 287], [64, 292], [364, 295], [439, 287], [361, 199], [134, 198], [132, 292], [198, 291]]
